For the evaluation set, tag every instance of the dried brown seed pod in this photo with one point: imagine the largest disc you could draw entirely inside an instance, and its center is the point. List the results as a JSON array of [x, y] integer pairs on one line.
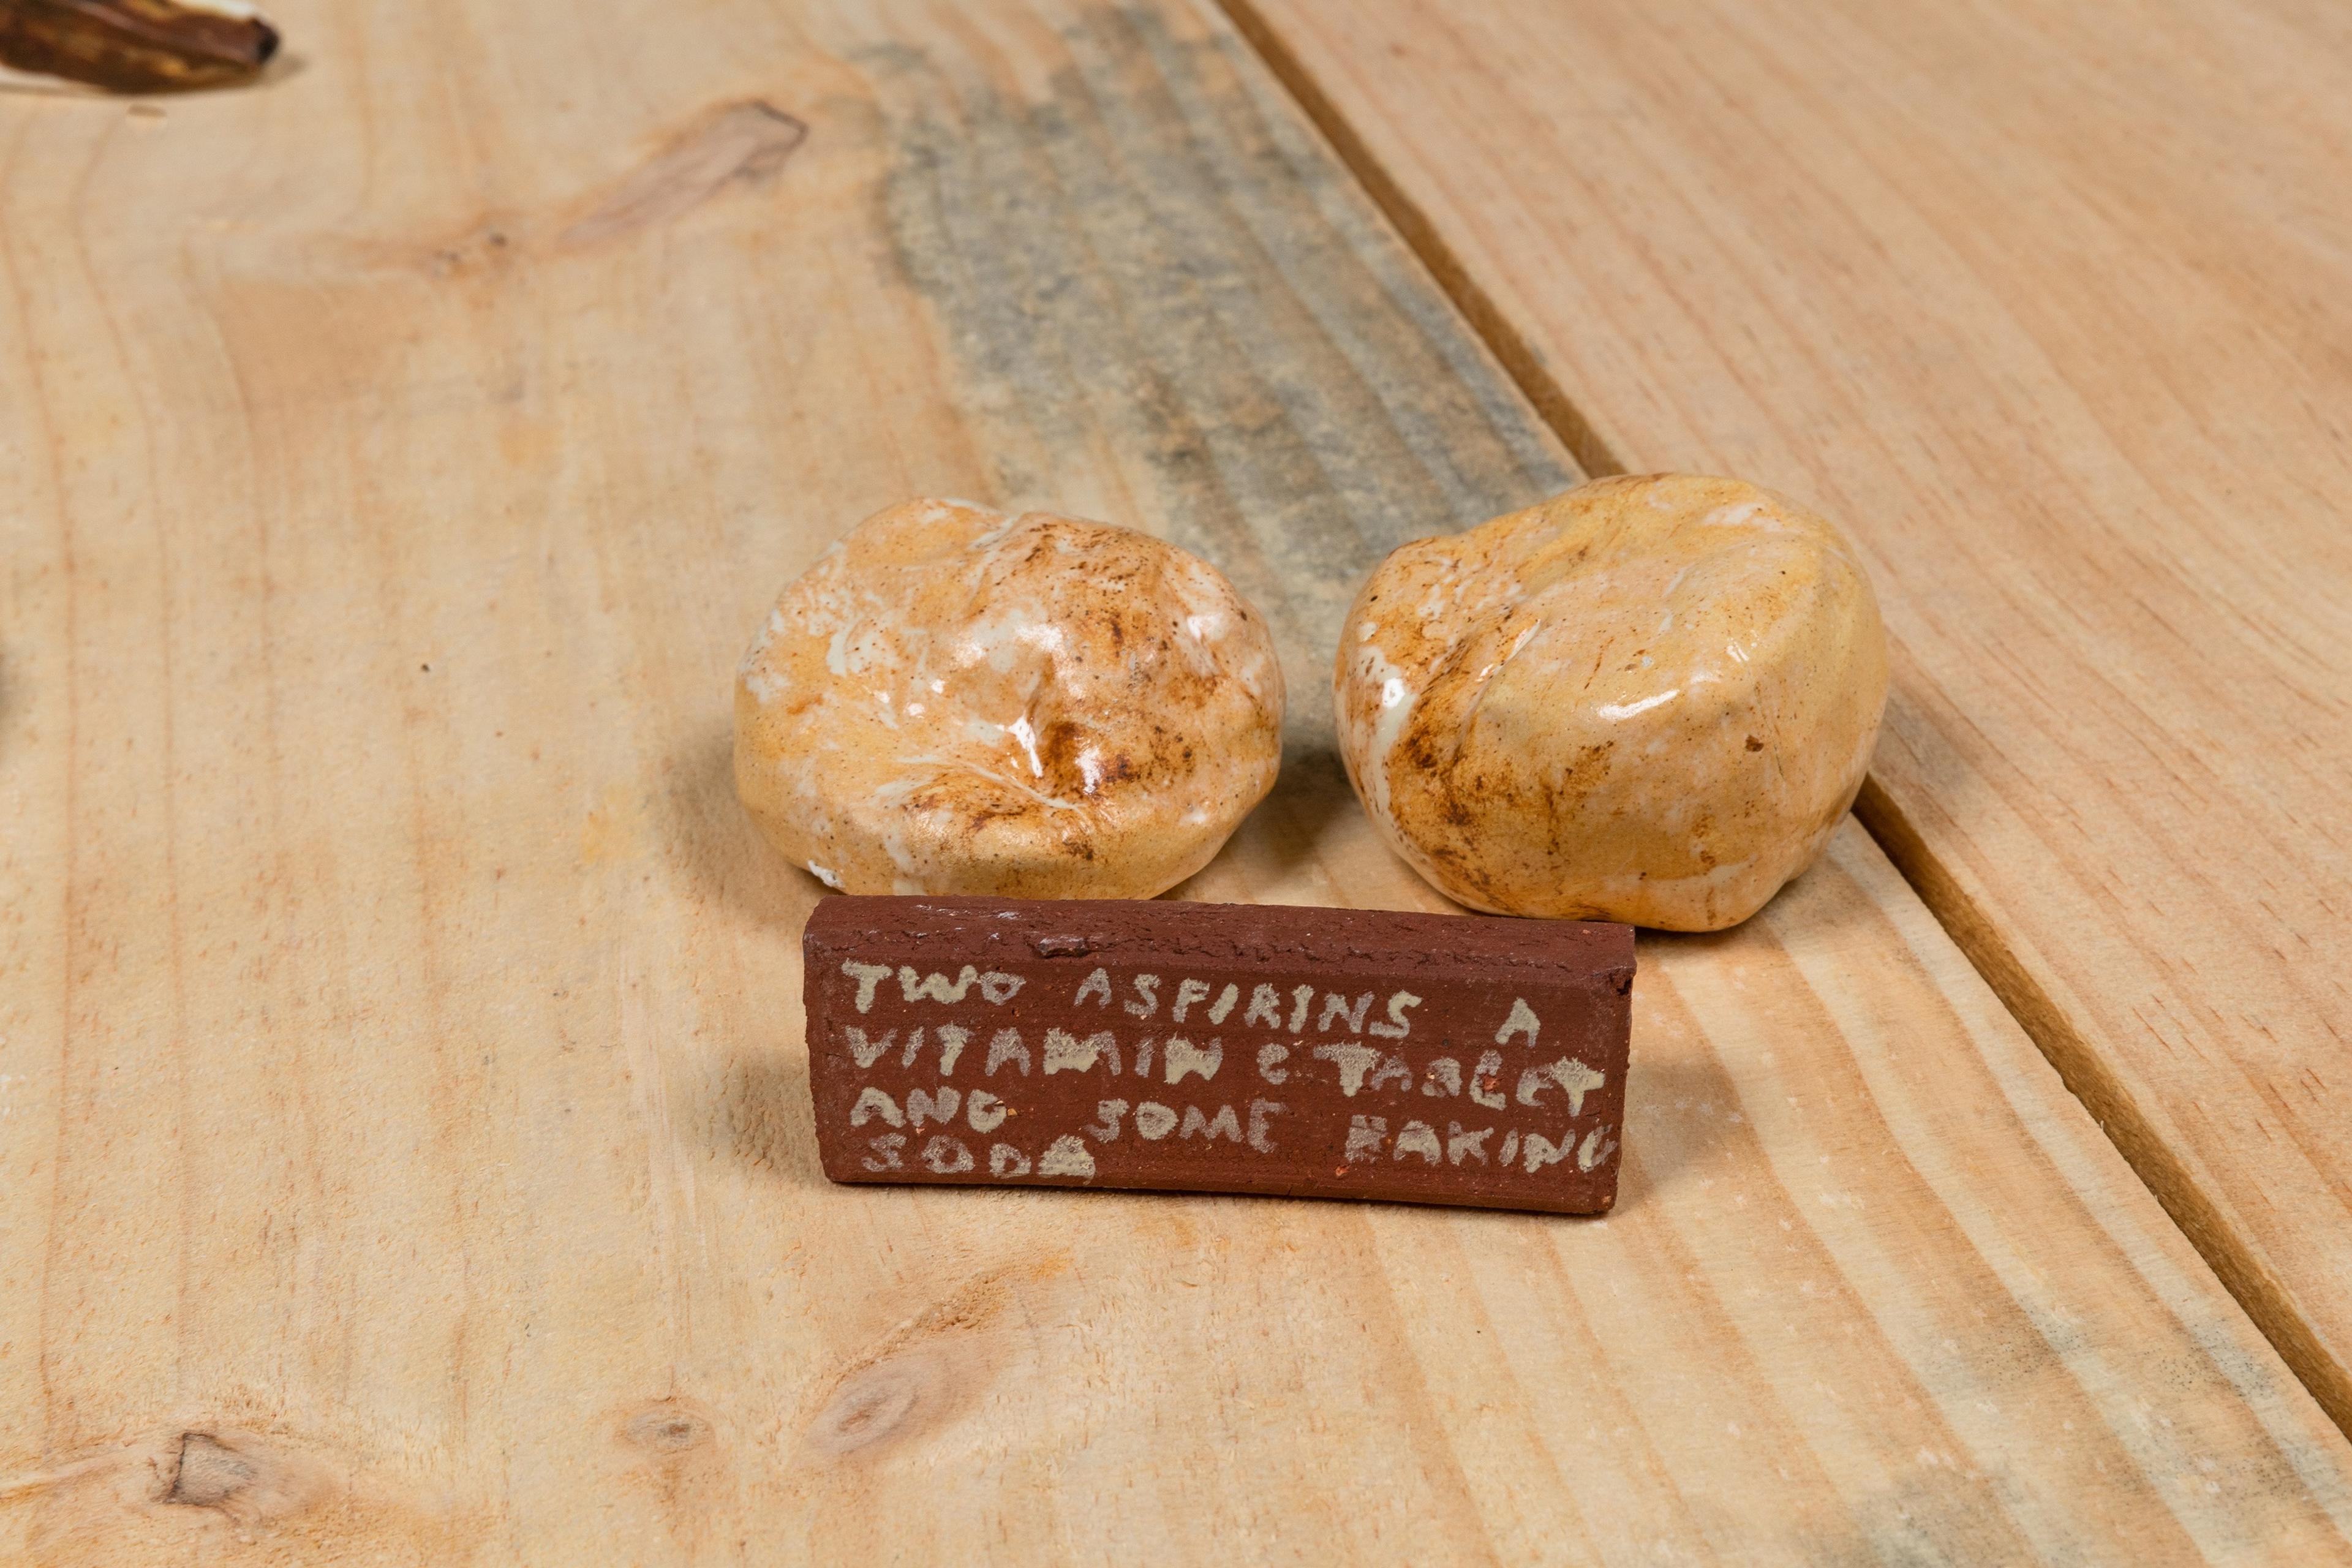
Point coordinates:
[[134, 46]]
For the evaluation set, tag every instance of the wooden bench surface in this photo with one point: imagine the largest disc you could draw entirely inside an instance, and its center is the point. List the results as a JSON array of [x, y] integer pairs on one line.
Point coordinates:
[[403, 1118]]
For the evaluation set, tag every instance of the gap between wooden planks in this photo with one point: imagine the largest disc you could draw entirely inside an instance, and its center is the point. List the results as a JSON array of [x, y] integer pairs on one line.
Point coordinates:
[[402, 1121], [2041, 304]]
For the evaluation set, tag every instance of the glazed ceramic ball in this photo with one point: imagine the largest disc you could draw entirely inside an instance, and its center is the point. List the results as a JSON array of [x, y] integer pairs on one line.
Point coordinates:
[[951, 700], [1648, 700]]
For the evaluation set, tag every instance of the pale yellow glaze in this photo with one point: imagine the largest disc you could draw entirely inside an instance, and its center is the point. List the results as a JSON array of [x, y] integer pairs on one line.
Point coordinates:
[[956, 701], [1649, 699]]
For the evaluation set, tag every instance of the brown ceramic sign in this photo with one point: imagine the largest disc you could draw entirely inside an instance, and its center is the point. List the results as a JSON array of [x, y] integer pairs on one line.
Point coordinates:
[[1220, 1047]]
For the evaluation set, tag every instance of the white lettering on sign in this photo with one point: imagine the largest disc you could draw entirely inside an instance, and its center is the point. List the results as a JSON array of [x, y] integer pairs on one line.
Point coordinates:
[[1522, 1017], [1147, 989], [1542, 1151], [1225, 1124], [1006, 1048], [946, 1156], [938, 987], [952, 1043], [1418, 1138], [1399, 1026], [1568, 1073], [996, 986], [1353, 1062], [1065, 1052], [926, 1119], [1185, 1057], [1578, 1080], [868, 977], [1336, 1007], [922, 1107], [1485, 1087]]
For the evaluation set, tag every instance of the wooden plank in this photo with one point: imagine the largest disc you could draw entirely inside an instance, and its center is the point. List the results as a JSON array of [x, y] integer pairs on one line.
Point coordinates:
[[403, 1119], [2047, 304]]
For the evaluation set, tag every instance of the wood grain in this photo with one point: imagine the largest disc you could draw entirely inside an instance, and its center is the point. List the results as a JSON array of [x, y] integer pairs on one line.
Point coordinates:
[[2047, 304], [403, 1117]]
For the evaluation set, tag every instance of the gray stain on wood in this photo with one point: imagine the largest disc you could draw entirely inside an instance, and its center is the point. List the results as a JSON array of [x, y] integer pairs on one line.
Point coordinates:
[[1156, 262]]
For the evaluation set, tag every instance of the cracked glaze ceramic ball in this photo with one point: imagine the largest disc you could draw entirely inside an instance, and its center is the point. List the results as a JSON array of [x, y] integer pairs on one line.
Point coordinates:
[[951, 700], [1648, 700]]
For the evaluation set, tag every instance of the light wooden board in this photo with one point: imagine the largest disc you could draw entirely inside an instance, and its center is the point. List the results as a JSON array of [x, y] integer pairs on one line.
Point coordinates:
[[2048, 302], [402, 1119]]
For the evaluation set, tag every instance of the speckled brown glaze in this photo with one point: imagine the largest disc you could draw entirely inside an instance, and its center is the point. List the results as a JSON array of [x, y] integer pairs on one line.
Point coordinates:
[[1220, 1047], [953, 700], [1649, 699]]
